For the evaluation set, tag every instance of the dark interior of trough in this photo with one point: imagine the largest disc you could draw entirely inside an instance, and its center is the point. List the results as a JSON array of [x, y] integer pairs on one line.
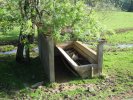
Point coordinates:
[[63, 70], [62, 73], [77, 57]]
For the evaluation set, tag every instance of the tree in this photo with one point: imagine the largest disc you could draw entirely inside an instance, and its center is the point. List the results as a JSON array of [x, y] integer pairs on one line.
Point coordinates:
[[27, 30], [63, 20], [9, 15], [131, 6]]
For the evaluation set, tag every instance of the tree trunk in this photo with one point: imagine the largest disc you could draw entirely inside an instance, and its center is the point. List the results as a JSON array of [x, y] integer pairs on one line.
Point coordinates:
[[20, 49], [27, 56]]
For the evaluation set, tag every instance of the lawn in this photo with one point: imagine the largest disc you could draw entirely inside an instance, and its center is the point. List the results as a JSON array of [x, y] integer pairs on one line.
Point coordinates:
[[16, 80], [121, 38], [116, 20]]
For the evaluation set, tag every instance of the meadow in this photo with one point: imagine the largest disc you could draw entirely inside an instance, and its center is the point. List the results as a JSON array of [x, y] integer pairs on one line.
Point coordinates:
[[16, 80], [116, 20]]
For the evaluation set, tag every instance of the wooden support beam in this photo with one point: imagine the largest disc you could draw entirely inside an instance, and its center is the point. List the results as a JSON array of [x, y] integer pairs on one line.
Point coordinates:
[[85, 51], [100, 56], [68, 58], [65, 45], [46, 52]]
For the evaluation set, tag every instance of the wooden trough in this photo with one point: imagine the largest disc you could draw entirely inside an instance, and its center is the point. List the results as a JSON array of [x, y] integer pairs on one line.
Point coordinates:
[[83, 60]]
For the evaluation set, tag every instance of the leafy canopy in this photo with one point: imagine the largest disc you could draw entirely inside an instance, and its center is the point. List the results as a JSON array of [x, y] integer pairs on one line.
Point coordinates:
[[67, 20]]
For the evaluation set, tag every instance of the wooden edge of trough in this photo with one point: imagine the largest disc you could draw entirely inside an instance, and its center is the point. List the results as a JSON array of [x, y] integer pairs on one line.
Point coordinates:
[[86, 52], [68, 58], [83, 70], [65, 45]]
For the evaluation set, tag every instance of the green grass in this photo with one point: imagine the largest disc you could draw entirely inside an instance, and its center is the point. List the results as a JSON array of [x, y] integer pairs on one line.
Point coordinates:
[[116, 20], [9, 36], [16, 79], [120, 38], [118, 68]]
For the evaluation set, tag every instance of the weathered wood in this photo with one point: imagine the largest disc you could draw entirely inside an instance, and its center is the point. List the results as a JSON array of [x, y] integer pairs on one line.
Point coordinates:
[[87, 70], [83, 68], [68, 67], [65, 45], [46, 51], [68, 58], [95, 58], [92, 72], [91, 53], [91, 60], [100, 56]]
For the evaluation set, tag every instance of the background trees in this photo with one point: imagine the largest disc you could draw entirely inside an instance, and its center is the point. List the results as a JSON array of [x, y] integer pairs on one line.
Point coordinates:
[[9, 15]]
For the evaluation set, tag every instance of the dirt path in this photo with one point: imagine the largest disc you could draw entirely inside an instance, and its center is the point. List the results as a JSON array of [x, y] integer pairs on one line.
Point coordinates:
[[122, 30]]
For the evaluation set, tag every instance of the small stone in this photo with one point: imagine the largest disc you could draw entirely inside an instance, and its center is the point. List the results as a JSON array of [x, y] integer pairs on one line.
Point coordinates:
[[91, 89], [40, 87], [37, 84]]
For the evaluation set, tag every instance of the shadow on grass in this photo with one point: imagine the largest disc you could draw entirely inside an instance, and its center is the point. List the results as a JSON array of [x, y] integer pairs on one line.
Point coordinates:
[[15, 76], [62, 74]]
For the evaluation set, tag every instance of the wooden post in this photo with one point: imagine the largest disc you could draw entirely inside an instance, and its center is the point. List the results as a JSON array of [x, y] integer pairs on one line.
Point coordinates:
[[46, 52], [100, 55]]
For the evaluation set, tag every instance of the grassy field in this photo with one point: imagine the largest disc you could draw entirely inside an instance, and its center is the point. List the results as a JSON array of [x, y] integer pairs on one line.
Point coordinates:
[[16, 80], [121, 38], [116, 20]]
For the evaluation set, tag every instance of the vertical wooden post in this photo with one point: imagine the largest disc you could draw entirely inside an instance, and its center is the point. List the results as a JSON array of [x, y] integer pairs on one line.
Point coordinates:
[[100, 55], [46, 52]]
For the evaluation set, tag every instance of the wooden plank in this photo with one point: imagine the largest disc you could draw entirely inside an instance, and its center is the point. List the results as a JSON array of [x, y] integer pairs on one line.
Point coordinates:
[[46, 51], [86, 50], [86, 67], [68, 58], [91, 60], [100, 56], [68, 66], [65, 45], [87, 70]]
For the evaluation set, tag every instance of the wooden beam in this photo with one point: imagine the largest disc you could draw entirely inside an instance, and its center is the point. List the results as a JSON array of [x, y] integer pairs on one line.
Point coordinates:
[[87, 70], [91, 60], [69, 67], [86, 50], [46, 52], [100, 55], [86, 67], [68, 58], [65, 45]]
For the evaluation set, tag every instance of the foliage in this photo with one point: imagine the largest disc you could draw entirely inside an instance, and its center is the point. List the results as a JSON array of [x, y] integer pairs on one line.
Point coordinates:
[[9, 15], [66, 20], [127, 5]]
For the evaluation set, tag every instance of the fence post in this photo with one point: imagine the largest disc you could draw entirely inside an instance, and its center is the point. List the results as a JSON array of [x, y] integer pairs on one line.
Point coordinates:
[[100, 55], [46, 52]]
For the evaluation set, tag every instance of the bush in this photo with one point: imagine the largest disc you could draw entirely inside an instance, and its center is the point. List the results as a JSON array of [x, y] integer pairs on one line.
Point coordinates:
[[70, 21]]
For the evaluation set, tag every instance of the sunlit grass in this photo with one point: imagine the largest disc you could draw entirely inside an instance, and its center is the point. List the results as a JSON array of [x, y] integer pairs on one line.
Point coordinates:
[[120, 38], [10, 35], [116, 20]]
